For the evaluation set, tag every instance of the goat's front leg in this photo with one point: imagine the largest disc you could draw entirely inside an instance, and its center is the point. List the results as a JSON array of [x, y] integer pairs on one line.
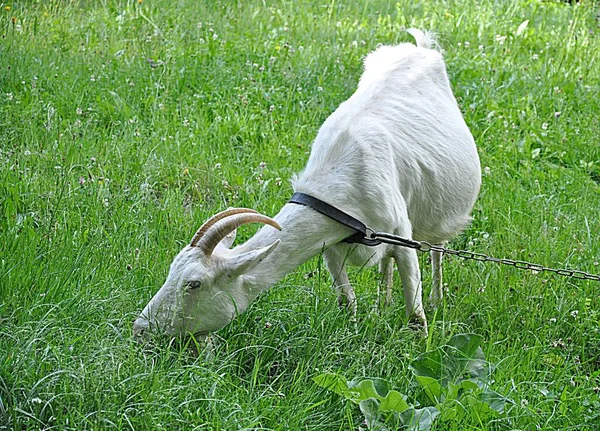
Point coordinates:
[[386, 268], [408, 267], [341, 282], [436, 295]]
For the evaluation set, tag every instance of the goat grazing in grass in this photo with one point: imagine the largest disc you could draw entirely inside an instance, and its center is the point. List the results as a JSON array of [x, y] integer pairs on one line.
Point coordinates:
[[396, 155]]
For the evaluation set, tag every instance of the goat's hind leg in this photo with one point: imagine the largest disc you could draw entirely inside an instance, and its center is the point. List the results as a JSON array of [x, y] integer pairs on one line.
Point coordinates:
[[408, 267], [386, 268], [435, 297], [341, 282]]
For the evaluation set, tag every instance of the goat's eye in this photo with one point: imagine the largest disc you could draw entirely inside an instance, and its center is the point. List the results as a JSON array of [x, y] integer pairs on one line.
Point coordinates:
[[193, 284]]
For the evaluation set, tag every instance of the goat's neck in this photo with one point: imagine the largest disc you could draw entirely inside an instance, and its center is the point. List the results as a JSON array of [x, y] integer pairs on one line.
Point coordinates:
[[305, 233]]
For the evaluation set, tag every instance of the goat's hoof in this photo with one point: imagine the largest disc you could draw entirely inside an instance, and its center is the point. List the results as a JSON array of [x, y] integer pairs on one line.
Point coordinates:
[[419, 325], [344, 303]]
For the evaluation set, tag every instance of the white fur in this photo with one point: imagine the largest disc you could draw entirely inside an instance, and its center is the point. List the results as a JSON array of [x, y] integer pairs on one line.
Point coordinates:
[[397, 155]]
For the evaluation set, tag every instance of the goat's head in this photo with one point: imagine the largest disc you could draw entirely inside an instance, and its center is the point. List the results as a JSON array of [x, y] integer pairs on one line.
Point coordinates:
[[208, 283]]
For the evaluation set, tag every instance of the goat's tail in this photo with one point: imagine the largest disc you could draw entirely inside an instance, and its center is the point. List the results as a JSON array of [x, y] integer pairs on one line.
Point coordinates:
[[424, 39]]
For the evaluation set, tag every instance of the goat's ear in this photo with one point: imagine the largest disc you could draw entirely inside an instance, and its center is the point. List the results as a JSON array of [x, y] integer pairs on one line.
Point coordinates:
[[241, 263], [227, 242]]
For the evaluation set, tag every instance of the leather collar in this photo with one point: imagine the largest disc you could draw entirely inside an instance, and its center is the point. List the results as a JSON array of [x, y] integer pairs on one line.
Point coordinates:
[[359, 237]]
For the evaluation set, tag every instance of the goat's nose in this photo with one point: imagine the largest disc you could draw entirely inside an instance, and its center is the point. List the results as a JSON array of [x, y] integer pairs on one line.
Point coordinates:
[[139, 326]]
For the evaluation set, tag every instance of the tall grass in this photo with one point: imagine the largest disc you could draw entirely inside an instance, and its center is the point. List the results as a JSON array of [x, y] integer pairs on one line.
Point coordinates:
[[124, 124]]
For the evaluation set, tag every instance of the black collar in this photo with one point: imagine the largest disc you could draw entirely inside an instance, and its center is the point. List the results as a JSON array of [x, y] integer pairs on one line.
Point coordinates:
[[359, 237]]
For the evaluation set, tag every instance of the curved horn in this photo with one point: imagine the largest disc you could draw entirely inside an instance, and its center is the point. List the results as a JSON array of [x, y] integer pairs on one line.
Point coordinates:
[[221, 229], [211, 221]]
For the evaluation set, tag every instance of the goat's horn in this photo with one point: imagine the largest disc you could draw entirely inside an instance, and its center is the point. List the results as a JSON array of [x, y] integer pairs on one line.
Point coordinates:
[[220, 216], [220, 230]]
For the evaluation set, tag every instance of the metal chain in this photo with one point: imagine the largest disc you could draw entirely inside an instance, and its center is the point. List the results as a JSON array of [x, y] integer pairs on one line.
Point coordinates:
[[424, 246]]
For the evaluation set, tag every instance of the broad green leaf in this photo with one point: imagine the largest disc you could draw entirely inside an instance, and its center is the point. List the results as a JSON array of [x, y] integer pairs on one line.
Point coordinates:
[[463, 354], [334, 383], [366, 389], [370, 408], [394, 402], [373, 387], [469, 385], [451, 393], [467, 344], [431, 386], [493, 399], [476, 407], [428, 364], [419, 419]]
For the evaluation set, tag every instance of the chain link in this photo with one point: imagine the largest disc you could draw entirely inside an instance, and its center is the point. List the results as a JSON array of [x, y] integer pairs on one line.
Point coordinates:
[[424, 246]]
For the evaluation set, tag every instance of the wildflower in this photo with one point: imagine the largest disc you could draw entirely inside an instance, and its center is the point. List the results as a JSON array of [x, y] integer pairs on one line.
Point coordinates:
[[81, 180], [553, 320], [218, 166], [78, 111], [557, 114], [467, 44], [27, 153], [9, 96], [262, 165], [524, 402], [500, 39], [278, 181], [574, 314], [487, 170], [545, 126], [480, 47], [535, 57]]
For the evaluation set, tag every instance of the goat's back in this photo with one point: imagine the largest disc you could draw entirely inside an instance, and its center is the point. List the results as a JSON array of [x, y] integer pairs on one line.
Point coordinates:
[[399, 147]]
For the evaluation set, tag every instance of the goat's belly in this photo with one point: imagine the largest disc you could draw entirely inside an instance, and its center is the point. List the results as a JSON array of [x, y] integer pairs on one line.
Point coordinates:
[[360, 255]]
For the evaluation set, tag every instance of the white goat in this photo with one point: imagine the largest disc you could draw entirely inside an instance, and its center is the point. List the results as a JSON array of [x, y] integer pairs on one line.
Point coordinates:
[[397, 155]]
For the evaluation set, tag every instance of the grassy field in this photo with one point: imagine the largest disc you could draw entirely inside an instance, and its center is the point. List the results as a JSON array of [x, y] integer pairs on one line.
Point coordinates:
[[125, 124]]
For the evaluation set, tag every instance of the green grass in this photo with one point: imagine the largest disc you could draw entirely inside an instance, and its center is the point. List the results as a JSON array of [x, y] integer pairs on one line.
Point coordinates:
[[123, 126]]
